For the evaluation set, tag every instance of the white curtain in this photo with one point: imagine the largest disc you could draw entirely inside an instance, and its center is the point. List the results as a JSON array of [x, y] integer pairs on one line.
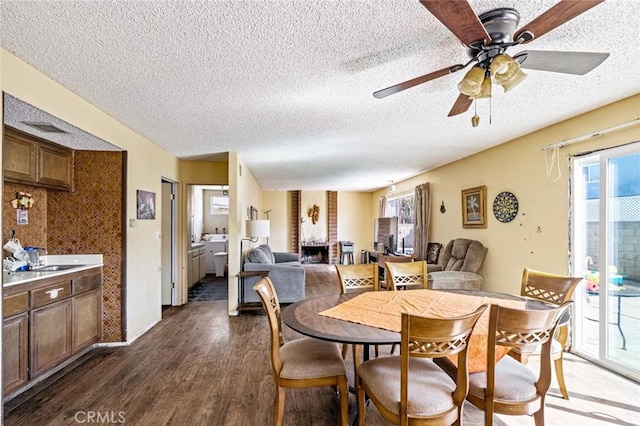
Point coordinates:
[[421, 222], [382, 208]]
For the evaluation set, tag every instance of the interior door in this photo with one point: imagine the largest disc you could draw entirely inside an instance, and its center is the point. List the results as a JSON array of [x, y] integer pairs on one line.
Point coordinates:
[[168, 244], [606, 240]]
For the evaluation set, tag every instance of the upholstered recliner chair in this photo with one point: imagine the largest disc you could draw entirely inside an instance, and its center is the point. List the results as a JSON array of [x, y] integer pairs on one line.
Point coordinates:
[[458, 266]]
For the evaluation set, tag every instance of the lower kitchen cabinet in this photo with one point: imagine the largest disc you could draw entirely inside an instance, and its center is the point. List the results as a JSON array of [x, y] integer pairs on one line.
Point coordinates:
[[50, 336], [15, 361], [87, 319], [48, 322]]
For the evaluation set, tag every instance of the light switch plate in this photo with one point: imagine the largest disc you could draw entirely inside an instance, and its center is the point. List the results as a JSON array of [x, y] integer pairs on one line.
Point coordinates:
[[133, 223]]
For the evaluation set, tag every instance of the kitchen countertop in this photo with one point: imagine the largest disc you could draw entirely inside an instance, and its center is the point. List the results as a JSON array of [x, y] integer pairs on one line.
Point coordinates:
[[84, 261]]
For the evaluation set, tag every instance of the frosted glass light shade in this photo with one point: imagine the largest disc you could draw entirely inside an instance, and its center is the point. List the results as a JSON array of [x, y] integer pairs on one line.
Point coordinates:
[[471, 84], [257, 228], [517, 78], [503, 68], [485, 90]]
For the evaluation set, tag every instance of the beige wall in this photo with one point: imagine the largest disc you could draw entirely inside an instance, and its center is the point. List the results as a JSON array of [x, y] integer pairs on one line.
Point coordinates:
[[355, 222], [279, 218], [244, 192], [539, 236], [143, 242]]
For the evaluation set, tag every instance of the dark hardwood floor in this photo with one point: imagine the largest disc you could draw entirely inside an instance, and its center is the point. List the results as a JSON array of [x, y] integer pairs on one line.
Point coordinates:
[[201, 367]]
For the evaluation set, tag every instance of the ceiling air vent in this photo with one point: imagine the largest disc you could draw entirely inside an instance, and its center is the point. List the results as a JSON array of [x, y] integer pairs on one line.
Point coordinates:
[[44, 127]]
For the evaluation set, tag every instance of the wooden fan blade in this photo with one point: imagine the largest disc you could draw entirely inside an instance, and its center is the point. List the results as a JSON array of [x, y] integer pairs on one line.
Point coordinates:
[[578, 63], [461, 105], [557, 15], [415, 81], [460, 18]]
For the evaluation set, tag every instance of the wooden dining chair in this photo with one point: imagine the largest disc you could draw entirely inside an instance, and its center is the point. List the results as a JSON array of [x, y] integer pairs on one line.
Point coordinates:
[[509, 387], [555, 290], [410, 388], [357, 279], [383, 259], [409, 275], [300, 363]]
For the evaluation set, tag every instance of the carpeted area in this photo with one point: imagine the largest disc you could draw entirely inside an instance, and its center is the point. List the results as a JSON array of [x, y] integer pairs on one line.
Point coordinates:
[[210, 288]]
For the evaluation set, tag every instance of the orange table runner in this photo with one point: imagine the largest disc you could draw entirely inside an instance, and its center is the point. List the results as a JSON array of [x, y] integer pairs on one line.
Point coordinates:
[[383, 309]]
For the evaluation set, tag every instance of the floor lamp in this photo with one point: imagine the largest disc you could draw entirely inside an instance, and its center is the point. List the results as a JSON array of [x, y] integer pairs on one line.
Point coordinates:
[[255, 229]]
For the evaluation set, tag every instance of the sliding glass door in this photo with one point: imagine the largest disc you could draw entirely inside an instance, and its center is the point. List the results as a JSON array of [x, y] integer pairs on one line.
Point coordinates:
[[606, 252]]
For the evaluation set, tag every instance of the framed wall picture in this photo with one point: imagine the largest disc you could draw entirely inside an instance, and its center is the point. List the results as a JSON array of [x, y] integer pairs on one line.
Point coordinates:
[[146, 205], [474, 207]]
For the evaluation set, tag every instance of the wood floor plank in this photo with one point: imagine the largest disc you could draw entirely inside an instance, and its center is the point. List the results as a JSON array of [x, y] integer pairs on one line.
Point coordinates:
[[201, 367]]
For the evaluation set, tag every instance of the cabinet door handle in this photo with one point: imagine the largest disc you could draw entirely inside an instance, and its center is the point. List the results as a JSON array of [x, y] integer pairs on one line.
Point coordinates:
[[53, 293]]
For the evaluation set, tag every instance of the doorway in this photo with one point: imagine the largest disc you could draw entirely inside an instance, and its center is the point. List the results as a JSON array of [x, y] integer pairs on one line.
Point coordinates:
[[606, 241], [208, 213], [168, 244]]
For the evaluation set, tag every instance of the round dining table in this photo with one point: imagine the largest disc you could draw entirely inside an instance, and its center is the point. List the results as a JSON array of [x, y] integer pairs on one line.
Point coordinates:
[[302, 316]]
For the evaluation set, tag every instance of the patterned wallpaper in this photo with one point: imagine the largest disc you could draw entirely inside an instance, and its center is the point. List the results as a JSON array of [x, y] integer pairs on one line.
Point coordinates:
[[34, 233], [88, 220]]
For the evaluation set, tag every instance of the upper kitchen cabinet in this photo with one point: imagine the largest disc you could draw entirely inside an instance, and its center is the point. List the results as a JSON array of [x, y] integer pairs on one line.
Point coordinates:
[[32, 160]]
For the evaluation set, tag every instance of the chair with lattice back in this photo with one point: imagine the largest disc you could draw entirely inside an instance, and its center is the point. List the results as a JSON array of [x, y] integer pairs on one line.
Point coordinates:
[[300, 363], [555, 290], [409, 275], [507, 386], [411, 388], [357, 279]]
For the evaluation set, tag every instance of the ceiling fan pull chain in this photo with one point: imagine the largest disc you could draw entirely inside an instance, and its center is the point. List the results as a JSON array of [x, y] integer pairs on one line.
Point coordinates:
[[555, 161], [490, 109]]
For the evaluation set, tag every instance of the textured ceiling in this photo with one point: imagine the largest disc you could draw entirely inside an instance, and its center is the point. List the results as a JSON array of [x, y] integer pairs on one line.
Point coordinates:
[[288, 84]]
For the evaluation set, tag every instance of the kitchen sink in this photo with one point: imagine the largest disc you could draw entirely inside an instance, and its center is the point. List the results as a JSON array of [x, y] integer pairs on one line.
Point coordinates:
[[49, 268]]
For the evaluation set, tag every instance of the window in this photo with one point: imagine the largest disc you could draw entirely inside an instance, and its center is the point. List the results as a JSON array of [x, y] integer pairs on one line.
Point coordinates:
[[404, 208], [219, 205]]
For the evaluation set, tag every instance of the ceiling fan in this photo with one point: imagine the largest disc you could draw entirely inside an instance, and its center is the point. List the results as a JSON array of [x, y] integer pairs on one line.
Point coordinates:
[[489, 35]]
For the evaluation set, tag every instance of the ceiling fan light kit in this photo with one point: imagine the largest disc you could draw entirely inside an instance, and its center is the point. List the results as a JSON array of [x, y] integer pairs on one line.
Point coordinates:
[[471, 84], [485, 91], [514, 81], [488, 36]]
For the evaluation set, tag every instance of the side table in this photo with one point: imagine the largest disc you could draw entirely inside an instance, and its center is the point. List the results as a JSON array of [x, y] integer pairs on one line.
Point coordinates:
[[248, 306]]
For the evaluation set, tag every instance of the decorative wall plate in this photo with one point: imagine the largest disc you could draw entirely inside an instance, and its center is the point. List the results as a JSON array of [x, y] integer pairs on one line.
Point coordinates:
[[505, 207]]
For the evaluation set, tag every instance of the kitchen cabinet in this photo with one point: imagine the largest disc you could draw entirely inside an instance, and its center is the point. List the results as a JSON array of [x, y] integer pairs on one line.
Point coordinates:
[[47, 322], [32, 160], [15, 345], [15, 371], [86, 311], [50, 336]]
